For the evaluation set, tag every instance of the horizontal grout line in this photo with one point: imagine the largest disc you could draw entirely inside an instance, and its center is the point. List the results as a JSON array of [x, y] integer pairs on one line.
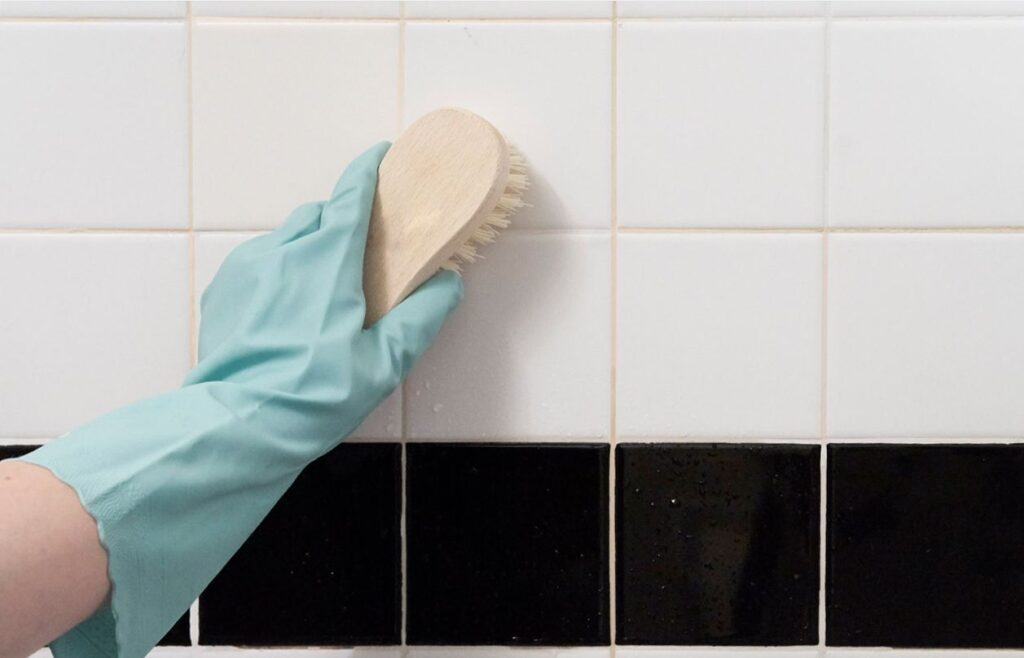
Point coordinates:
[[540, 440], [503, 19], [716, 439], [667, 230]]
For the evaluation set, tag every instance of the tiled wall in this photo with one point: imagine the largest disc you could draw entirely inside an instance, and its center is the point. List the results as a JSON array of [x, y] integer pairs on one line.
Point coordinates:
[[748, 374]]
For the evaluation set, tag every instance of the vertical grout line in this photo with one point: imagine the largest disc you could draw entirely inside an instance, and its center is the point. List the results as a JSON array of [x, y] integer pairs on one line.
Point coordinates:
[[826, 220], [404, 424], [193, 611], [614, 308]]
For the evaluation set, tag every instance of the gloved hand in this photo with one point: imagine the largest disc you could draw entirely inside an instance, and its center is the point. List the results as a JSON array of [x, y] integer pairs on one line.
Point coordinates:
[[177, 482]]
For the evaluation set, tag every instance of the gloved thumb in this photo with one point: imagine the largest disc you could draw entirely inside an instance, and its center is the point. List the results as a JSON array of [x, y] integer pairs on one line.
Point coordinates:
[[408, 329]]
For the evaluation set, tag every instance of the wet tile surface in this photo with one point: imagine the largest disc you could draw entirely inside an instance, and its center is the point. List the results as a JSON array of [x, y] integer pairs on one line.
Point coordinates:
[[717, 544], [507, 544], [324, 566], [925, 546]]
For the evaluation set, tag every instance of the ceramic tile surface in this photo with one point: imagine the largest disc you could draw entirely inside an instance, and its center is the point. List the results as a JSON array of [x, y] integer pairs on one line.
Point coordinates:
[[324, 567], [507, 544], [718, 8], [551, 99], [924, 335], [297, 8], [508, 9], [717, 544], [526, 355], [891, 166], [94, 338], [258, 155], [939, 530], [94, 8], [93, 127], [684, 136], [719, 335]]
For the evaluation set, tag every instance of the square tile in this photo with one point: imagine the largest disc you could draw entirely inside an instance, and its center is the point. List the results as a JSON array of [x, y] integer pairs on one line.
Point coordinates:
[[258, 155], [385, 423], [924, 335], [508, 9], [324, 567], [717, 544], [507, 544], [928, 8], [94, 8], [178, 636], [95, 322], [729, 131], [925, 127], [527, 354], [94, 131], [924, 546], [719, 335], [11, 451], [298, 8], [546, 86], [718, 8]]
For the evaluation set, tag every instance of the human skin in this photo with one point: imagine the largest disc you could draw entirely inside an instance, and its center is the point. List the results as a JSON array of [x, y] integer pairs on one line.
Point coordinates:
[[53, 569]]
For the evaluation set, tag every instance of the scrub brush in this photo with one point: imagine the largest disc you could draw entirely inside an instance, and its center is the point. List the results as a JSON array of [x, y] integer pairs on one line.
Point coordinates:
[[448, 185]]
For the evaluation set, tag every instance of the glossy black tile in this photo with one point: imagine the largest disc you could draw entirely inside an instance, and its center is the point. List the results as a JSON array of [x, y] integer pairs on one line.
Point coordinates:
[[7, 452], [717, 544], [925, 545], [178, 635], [507, 544], [324, 567]]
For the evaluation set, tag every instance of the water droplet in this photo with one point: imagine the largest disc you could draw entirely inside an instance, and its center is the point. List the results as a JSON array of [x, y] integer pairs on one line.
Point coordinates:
[[437, 407]]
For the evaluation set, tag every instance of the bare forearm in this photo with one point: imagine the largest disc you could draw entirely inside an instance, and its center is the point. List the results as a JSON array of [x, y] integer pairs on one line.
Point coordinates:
[[53, 570]]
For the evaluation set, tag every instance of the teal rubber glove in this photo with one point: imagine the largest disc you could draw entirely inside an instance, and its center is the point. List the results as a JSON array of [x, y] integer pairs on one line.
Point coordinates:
[[177, 482]]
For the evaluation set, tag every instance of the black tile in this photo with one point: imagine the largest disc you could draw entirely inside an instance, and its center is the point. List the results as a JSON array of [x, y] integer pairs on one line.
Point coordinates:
[[7, 452], [324, 567], [925, 545], [178, 635], [507, 544], [717, 544]]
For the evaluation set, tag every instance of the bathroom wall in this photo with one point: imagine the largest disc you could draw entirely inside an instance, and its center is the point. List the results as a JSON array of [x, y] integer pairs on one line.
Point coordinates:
[[748, 377]]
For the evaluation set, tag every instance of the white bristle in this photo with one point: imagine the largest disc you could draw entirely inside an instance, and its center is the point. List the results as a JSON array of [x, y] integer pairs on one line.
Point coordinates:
[[499, 218]]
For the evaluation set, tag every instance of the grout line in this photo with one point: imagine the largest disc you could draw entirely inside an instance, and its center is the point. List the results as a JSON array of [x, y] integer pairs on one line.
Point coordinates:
[[193, 328], [823, 391], [627, 230], [614, 315], [506, 19], [404, 406]]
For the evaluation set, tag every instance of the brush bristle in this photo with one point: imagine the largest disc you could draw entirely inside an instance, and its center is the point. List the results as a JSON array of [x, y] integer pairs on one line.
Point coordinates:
[[499, 218]]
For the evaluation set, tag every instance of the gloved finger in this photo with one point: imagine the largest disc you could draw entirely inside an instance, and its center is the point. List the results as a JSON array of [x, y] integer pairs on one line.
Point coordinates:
[[406, 331], [302, 221], [346, 215]]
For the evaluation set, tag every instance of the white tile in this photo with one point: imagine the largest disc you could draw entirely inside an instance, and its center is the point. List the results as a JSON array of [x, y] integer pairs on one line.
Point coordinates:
[[719, 8], [94, 322], [93, 8], [211, 250], [93, 125], [297, 8], [924, 335], [279, 111], [527, 354], [925, 122], [547, 86], [928, 8], [721, 123], [507, 9], [719, 336]]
